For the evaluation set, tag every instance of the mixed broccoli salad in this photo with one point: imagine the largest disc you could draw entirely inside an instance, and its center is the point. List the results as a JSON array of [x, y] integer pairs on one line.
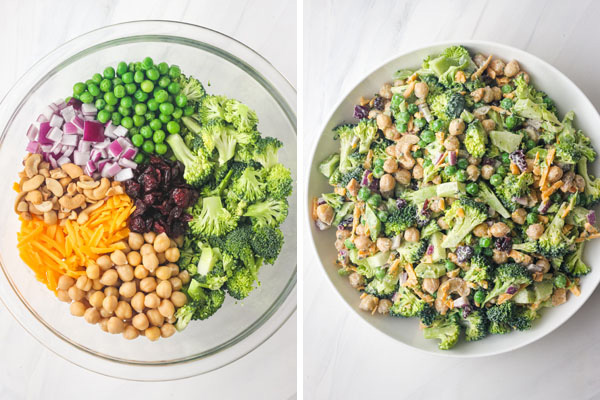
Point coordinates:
[[461, 198]]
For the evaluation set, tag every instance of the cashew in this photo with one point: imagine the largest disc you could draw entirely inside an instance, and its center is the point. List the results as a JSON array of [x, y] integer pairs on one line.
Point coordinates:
[[34, 197], [45, 193], [84, 178], [44, 172], [408, 139], [32, 164], [55, 187], [32, 184], [453, 285], [33, 209], [73, 215], [57, 174], [85, 214], [20, 197], [74, 171], [100, 192], [26, 216], [45, 206], [115, 190], [22, 206], [50, 217], [88, 184], [72, 203], [72, 188], [64, 182], [407, 161]]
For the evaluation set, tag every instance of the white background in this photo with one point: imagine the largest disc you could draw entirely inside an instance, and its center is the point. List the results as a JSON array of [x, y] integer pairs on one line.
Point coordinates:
[[344, 358], [29, 30]]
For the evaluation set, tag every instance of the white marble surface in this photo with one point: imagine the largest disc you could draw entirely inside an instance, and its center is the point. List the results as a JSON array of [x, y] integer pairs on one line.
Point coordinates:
[[343, 356], [30, 29]]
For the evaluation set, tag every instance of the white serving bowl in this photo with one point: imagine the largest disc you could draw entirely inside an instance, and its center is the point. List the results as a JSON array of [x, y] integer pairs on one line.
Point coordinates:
[[567, 97]]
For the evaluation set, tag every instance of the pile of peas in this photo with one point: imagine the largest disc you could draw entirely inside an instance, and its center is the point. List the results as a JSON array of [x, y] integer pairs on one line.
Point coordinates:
[[143, 97]]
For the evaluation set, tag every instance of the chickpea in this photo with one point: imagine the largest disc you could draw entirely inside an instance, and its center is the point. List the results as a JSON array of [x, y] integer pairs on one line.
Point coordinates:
[[140, 321], [77, 309], [387, 183], [451, 143], [500, 257], [352, 187], [512, 68], [172, 254], [534, 231], [118, 257], [179, 299], [92, 271], [384, 244], [130, 332], [104, 262], [63, 295], [140, 272], [519, 215], [149, 237], [155, 318], [418, 172], [91, 316], [497, 66], [431, 284], [96, 299], [487, 171], [150, 262], [421, 90], [390, 165], [488, 95], [126, 249], [167, 330], [153, 333], [175, 283], [325, 213], [96, 285], [109, 277], [115, 325], [555, 174], [125, 272], [386, 91], [111, 291], [185, 277], [544, 264], [161, 243], [137, 301], [123, 310], [174, 268], [499, 229], [442, 223], [75, 293], [103, 324], [360, 230], [166, 308], [477, 95], [456, 127], [488, 124], [164, 289], [148, 285], [482, 230], [82, 282], [127, 289], [472, 173], [136, 240], [152, 300], [163, 272], [134, 258], [146, 248], [65, 282], [412, 235], [110, 303], [579, 183], [383, 121], [170, 320], [362, 242], [368, 303], [342, 234], [402, 176]]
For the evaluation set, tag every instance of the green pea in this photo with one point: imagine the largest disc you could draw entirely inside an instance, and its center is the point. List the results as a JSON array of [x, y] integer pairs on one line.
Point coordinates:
[[155, 124], [119, 91], [496, 180], [138, 120], [137, 140], [160, 148], [379, 162], [427, 162], [472, 188], [427, 136], [178, 113], [147, 63], [374, 201], [140, 96], [158, 136], [397, 99], [181, 100], [380, 272], [109, 72], [349, 244], [161, 96], [418, 153], [147, 86], [174, 72], [164, 118], [404, 116], [146, 132], [130, 88], [79, 88], [89, 82], [173, 127], [437, 125], [479, 296], [382, 215], [116, 118], [127, 77], [488, 252], [140, 109], [506, 103], [188, 110], [174, 88], [462, 163], [153, 74], [121, 68], [100, 104], [106, 85], [505, 158], [450, 266], [511, 121], [530, 144], [126, 102], [110, 107], [148, 146], [532, 218], [138, 77], [166, 108], [413, 108], [364, 193], [377, 171], [163, 68], [93, 89], [103, 116], [124, 111], [149, 116], [97, 78], [420, 123], [450, 170], [139, 158], [401, 126], [127, 122], [485, 242], [86, 97], [560, 281], [507, 88], [164, 81], [502, 170], [461, 175]]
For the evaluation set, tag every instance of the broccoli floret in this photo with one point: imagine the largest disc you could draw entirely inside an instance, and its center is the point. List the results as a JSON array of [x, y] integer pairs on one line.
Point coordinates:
[[401, 219], [508, 275], [456, 105], [348, 143], [366, 131], [191, 88], [438, 104], [523, 318], [211, 109], [329, 165], [357, 159], [574, 264], [407, 304], [234, 204], [267, 242], [553, 242], [241, 282], [448, 189], [489, 198], [220, 136], [476, 139], [480, 270], [189, 256], [198, 167], [502, 313], [572, 145], [473, 213], [207, 303], [249, 186], [476, 326], [383, 288], [452, 60], [240, 115], [355, 174], [514, 186], [592, 186], [435, 87], [445, 329], [237, 243], [265, 151], [333, 199], [279, 181], [427, 315], [429, 229], [210, 218], [499, 328], [412, 252], [270, 212]]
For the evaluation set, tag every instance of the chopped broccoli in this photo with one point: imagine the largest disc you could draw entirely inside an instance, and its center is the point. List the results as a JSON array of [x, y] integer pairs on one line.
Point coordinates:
[[270, 212], [429, 229], [241, 282], [206, 304], [476, 139], [355, 174], [348, 144], [508, 275], [383, 288], [473, 213], [400, 219], [445, 329], [210, 218], [438, 104], [574, 264], [267, 242], [502, 313], [329, 165], [240, 115], [523, 318], [249, 186], [553, 242], [279, 181], [198, 167], [572, 145], [412, 252], [448, 189], [211, 109], [266, 150], [480, 270], [499, 328], [237, 243], [476, 326], [191, 88], [220, 136], [452, 60], [592, 186], [514, 186], [366, 131], [488, 197], [407, 304], [456, 105]]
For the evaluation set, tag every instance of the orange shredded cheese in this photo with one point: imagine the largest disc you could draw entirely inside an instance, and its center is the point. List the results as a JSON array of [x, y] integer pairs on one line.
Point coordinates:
[[442, 204], [549, 160], [548, 192], [409, 89], [583, 239], [482, 68], [514, 169], [460, 212], [53, 250]]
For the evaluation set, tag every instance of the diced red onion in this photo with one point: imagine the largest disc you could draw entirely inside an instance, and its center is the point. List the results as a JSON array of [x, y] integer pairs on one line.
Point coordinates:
[[430, 250], [95, 155], [543, 208], [42, 136], [534, 268], [68, 151], [124, 174], [93, 131], [591, 217], [46, 147], [120, 131], [70, 140], [75, 103], [110, 170], [68, 113], [439, 158], [511, 289], [109, 131], [41, 118], [396, 241], [102, 145], [90, 168], [69, 129], [321, 225], [33, 147], [520, 200], [78, 122], [129, 153], [115, 149], [56, 121], [126, 163], [88, 109], [424, 109], [365, 178], [52, 161], [80, 157], [453, 160], [403, 277], [55, 134], [56, 148], [59, 104], [32, 132], [63, 160], [48, 111], [84, 146], [461, 302]]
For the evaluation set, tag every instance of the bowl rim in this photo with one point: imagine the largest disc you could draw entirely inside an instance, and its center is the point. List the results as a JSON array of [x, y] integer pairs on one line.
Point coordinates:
[[282, 301], [308, 224]]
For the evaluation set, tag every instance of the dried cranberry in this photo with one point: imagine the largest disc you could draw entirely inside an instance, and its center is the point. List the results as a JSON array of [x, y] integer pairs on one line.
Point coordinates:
[[181, 197], [503, 244], [137, 224], [132, 188], [518, 157], [149, 182], [379, 103], [361, 112], [400, 203], [464, 253]]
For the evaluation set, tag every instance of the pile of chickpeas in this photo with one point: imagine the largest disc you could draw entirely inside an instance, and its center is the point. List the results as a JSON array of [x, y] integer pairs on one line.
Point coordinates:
[[134, 291]]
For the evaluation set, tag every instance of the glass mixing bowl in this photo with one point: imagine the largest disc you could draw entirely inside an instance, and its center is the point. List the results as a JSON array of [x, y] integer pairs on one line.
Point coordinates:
[[233, 70]]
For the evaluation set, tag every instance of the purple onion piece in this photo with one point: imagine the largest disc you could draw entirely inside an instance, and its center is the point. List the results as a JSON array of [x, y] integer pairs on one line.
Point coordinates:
[[591, 217], [453, 159], [520, 200], [534, 268], [321, 201], [343, 257], [511, 290], [396, 241], [430, 250], [439, 159], [321, 225], [365, 178], [403, 278], [543, 208], [461, 302], [361, 112], [466, 311], [374, 185]]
